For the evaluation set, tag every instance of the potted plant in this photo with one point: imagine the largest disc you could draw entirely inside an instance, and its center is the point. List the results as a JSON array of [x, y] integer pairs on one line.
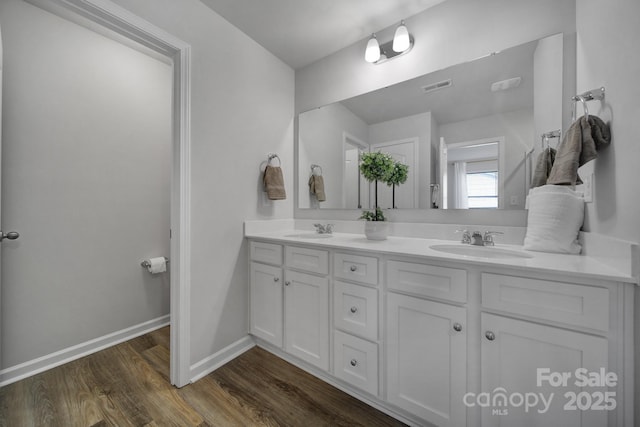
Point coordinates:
[[398, 176], [376, 167]]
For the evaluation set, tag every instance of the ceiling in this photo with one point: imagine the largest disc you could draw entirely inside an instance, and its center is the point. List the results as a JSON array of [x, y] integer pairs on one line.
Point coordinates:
[[468, 97], [300, 32]]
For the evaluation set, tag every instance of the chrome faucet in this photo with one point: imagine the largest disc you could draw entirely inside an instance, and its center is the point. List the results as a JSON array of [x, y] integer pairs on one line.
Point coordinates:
[[477, 238], [488, 237], [323, 229], [466, 236]]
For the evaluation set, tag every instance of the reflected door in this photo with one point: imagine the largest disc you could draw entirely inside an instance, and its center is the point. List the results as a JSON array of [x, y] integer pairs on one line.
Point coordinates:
[[406, 195]]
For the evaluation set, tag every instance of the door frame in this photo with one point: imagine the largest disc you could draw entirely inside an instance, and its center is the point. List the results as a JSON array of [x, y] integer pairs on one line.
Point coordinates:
[[347, 140], [101, 15]]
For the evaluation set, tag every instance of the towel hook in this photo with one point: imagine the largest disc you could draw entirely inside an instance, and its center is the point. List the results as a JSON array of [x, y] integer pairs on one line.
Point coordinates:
[[274, 156], [313, 167]]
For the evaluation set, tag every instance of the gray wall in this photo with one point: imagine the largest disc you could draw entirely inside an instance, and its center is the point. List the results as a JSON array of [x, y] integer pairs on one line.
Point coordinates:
[[242, 109], [608, 56], [86, 181]]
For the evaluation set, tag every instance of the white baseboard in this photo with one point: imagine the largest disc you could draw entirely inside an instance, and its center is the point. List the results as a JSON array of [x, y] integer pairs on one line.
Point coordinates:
[[41, 364], [216, 360]]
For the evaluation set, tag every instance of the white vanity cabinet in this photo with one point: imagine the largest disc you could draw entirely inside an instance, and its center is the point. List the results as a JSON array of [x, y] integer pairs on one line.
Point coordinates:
[[426, 342], [448, 342], [355, 319], [289, 300], [539, 338], [306, 317], [511, 353], [306, 305], [265, 292]]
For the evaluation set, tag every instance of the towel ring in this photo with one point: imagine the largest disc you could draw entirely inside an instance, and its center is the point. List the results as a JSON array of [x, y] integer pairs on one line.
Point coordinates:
[[584, 107], [592, 95], [274, 156], [314, 167]]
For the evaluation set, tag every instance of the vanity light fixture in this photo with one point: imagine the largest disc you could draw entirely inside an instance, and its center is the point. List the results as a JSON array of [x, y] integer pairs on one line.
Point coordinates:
[[402, 43], [372, 53], [401, 40]]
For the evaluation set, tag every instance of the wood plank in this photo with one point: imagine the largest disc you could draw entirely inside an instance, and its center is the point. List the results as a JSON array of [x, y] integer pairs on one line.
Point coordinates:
[[127, 385], [158, 358]]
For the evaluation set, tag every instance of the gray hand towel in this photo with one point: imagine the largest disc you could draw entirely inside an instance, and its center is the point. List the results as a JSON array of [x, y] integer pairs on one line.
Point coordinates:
[[543, 167], [580, 145], [316, 186], [274, 183]]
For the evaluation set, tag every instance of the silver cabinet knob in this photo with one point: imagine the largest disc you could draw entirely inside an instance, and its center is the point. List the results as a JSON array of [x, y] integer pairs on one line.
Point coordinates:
[[354, 309], [353, 268], [490, 335], [287, 283], [353, 362], [276, 279], [12, 235], [457, 327]]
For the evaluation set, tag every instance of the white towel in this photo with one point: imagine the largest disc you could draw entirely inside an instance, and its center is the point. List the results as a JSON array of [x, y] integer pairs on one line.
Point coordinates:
[[556, 214]]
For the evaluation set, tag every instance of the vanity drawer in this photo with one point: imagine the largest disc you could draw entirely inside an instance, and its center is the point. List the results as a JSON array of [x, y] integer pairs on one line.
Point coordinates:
[[356, 361], [569, 303], [428, 280], [358, 268], [269, 253], [311, 260], [355, 309]]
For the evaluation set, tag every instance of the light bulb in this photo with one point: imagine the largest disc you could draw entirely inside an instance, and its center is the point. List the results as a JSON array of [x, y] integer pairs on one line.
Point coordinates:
[[372, 53], [401, 40]]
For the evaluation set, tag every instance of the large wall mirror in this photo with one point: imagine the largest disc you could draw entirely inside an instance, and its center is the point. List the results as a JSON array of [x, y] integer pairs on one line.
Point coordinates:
[[468, 133]]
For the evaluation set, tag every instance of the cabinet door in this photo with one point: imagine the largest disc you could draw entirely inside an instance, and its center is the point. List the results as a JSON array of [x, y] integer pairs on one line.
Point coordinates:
[[512, 351], [427, 359], [307, 317], [266, 303]]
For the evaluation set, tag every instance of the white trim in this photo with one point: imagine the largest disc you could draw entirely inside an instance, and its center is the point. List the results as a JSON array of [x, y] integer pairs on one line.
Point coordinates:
[[104, 13], [66, 355], [349, 139], [216, 360]]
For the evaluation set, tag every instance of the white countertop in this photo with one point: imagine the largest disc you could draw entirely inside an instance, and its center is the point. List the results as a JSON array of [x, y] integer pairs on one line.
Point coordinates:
[[566, 265]]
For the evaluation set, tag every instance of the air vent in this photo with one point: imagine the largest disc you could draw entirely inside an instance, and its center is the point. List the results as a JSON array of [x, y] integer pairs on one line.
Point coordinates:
[[506, 84], [437, 86]]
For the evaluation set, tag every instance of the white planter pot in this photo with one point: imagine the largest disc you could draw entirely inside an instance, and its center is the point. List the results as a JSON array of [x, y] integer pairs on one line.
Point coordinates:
[[376, 230]]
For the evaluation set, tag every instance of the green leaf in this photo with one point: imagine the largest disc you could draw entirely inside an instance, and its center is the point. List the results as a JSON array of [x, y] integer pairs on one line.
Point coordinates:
[[399, 174]]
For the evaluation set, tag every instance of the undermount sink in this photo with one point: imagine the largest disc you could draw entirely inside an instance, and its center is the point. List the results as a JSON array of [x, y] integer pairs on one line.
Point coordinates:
[[310, 235], [480, 251]]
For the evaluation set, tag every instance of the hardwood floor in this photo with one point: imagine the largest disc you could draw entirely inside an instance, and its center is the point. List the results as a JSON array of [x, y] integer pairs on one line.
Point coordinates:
[[128, 385]]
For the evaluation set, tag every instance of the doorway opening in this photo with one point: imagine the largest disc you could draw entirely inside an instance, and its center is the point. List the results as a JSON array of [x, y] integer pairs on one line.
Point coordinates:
[[109, 19]]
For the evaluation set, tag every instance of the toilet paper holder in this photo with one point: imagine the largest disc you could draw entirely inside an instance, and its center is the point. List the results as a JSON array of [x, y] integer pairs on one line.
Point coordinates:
[[147, 264]]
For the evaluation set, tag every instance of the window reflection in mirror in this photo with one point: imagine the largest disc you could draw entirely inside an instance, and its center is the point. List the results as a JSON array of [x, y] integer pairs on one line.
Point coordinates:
[[473, 176]]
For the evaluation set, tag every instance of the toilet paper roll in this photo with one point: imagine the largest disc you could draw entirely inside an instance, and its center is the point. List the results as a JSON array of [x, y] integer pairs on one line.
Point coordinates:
[[157, 265]]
